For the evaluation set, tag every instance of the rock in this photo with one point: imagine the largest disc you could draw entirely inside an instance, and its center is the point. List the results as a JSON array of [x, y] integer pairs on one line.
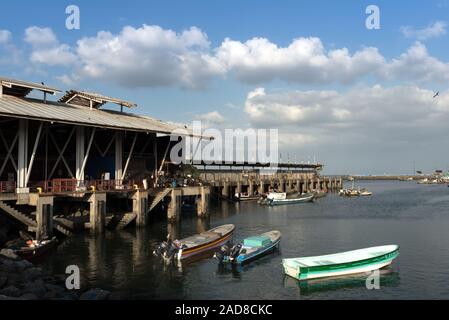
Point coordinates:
[[3, 281], [28, 296], [36, 287], [15, 279], [11, 291], [50, 295], [55, 288], [2, 297], [22, 265], [33, 273], [95, 294], [67, 295], [8, 253]]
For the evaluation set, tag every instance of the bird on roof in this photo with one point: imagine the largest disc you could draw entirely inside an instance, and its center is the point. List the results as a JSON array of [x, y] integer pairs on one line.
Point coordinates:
[[436, 94]]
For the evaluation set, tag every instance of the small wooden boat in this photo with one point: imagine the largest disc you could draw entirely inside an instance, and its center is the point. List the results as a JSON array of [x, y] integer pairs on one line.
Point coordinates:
[[351, 262], [33, 249], [251, 248], [300, 198], [197, 244]]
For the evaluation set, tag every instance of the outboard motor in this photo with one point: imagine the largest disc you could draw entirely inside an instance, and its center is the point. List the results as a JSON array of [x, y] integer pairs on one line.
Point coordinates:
[[235, 252], [161, 249], [224, 252], [171, 251]]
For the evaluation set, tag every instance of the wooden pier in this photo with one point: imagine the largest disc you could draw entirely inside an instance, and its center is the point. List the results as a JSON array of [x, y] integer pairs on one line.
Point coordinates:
[[69, 165]]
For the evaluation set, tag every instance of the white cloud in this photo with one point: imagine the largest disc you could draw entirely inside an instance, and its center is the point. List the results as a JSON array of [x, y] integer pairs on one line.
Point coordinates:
[[362, 108], [40, 37], [149, 56], [433, 30], [417, 65], [305, 60], [211, 118], [361, 129], [46, 48], [5, 36]]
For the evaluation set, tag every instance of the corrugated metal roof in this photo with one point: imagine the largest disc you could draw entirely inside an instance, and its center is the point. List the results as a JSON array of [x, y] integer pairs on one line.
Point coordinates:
[[28, 86], [16, 107]]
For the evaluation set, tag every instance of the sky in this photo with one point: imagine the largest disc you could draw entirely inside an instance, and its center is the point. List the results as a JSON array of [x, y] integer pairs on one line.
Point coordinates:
[[358, 100]]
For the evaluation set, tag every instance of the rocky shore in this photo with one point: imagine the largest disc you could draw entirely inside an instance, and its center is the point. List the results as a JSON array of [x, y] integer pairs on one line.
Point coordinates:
[[22, 280]]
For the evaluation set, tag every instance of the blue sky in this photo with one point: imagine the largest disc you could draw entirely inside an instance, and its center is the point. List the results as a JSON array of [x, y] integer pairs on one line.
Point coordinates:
[[226, 84]]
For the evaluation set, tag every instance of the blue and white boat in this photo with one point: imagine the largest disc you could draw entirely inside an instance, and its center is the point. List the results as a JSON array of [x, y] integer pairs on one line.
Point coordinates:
[[251, 248]]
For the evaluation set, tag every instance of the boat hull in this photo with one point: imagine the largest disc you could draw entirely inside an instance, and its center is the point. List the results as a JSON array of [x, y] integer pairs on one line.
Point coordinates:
[[258, 254], [292, 201], [203, 248], [333, 270], [35, 253]]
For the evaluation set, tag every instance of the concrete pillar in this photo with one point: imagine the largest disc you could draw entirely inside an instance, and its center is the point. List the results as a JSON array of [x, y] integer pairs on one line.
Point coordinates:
[[203, 202], [22, 160], [250, 188], [44, 218], [225, 191], [318, 184], [80, 153], [97, 212], [173, 230], [298, 186], [119, 156], [340, 185], [261, 187], [282, 185], [140, 207], [174, 207], [239, 187]]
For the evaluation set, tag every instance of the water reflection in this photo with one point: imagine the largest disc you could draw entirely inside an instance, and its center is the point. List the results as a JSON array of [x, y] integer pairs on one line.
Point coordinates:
[[237, 270], [388, 278]]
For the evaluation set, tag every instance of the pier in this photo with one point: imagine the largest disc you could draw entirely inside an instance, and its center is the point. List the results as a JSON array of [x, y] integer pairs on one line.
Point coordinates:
[[72, 165]]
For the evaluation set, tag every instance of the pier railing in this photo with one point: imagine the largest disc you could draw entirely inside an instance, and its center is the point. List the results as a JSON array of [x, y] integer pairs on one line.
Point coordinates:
[[7, 186], [74, 185], [255, 176]]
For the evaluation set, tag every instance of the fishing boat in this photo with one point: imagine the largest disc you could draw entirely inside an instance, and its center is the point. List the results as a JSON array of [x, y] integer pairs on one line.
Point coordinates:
[[245, 197], [32, 249], [338, 264], [365, 193], [299, 198], [195, 245], [251, 248]]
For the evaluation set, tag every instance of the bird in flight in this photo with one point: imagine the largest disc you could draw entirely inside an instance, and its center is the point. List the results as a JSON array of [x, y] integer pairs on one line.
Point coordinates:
[[436, 94]]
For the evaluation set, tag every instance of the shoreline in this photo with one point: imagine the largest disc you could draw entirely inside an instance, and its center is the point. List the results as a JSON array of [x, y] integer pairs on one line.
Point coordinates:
[[22, 280]]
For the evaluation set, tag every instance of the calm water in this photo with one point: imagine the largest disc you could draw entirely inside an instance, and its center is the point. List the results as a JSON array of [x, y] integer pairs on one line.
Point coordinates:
[[414, 216]]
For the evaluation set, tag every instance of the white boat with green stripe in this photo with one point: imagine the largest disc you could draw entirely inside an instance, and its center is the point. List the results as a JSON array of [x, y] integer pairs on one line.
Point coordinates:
[[339, 264]]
